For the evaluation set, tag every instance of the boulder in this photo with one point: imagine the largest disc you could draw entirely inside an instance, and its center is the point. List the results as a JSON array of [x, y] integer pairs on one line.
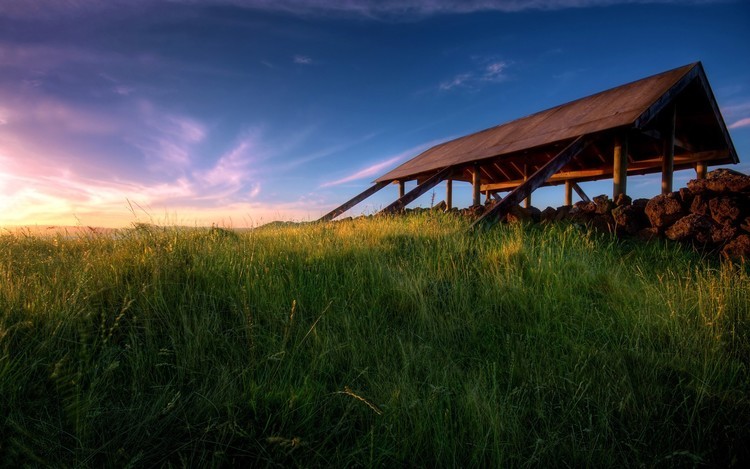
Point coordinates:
[[440, 207], [686, 197], [622, 200], [586, 207], [699, 205], [720, 234], [720, 181], [641, 203], [663, 210], [691, 228], [518, 214], [726, 209], [603, 222], [603, 204], [475, 211], [583, 212], [563, 212], [629, 219], [738, 248], [536, 214], [548, 214]]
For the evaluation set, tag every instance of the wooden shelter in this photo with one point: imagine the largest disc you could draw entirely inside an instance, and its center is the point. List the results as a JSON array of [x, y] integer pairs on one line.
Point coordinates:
[[658, 124]]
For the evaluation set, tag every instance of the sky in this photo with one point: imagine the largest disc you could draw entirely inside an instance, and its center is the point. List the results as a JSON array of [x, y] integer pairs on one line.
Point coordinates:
[[241, 112]]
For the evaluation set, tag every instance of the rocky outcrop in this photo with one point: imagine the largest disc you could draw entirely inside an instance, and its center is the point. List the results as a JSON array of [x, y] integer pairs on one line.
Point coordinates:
[[711, 214], [663, 210]]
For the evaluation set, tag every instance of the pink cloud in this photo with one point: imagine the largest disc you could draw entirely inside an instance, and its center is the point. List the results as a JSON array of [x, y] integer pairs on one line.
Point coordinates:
[[380, 167], [741, 123]]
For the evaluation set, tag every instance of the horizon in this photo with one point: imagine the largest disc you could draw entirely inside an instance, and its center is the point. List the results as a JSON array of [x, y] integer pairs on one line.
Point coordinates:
[[237, 113]]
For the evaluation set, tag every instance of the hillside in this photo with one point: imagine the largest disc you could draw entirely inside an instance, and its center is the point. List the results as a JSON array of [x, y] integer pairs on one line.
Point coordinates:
[[371, 342]]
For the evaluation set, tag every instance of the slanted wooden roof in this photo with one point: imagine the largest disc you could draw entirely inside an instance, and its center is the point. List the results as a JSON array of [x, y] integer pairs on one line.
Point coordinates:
[[508, 152], [662, 123]]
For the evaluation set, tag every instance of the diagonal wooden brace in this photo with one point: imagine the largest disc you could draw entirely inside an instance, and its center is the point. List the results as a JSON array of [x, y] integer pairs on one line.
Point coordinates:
[[536, 180], [580, 192], [351, 203], [413, 194]]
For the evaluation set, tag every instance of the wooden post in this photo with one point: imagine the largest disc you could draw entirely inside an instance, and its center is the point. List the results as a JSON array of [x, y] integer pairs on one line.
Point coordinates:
[[568, 192], [476, 181], [620, 169], [413, 194], [700, 170], [401, 188], [449, 193], [667, 164], [527, 200]]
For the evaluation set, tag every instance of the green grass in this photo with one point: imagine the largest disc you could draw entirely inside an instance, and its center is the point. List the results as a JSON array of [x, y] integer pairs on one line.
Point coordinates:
[[372, 342]]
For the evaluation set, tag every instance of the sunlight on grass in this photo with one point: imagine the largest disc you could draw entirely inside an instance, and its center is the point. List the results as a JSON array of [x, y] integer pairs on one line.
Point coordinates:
[[373, 342]]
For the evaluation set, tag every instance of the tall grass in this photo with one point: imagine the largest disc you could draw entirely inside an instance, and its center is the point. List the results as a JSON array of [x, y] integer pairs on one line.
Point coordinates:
[[372, 342]]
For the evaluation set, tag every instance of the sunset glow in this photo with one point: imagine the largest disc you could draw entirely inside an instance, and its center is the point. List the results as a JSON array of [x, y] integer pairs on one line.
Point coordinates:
[[240, 112]]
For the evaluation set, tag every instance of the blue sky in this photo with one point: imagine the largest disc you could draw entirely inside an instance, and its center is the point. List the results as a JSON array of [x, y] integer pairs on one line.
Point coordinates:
[[239, 112]]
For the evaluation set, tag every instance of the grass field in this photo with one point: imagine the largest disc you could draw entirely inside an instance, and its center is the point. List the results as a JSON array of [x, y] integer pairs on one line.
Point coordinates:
[[372, 342]]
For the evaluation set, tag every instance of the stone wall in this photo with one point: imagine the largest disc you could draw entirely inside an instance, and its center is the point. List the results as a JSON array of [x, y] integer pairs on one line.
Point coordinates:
[[712, 214]]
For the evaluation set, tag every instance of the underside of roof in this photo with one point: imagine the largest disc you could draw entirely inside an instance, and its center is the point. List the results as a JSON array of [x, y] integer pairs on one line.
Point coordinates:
[[639, 112]]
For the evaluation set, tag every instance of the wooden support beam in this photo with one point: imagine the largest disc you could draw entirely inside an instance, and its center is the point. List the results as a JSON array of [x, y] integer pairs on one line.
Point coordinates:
[[413, 194], [527, 200], [620, 168], [449, 193], [667, 165], [497, 196], [568, 192], [701, 169], [476, 181], [352, 202], [580, 192], [651, 165], [401, 188], [536, 180]]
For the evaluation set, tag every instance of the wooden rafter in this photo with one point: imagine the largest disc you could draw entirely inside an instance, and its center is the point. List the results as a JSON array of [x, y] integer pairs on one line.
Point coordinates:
[[636, 167], [536, 180]]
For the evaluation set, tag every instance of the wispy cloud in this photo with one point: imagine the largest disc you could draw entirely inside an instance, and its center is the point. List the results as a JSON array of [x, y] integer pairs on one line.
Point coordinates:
[[369, 171], [54, 114], [457, 81], [735, 109], [167, 140], [366, 8], [741, 123], [381, 166], [321, 153], [488, 72], [302, 59], [233, 176], [738, 112]]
